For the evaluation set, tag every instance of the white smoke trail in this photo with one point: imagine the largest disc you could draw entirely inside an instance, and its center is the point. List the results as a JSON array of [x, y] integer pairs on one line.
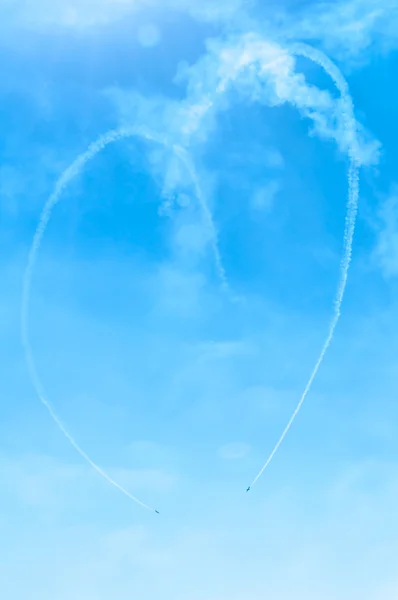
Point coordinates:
[[72, 171], [183, 155], [347, 113], [274, 60]]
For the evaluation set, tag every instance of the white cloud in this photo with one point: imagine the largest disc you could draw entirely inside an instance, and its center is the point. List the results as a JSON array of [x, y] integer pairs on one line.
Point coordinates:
[[53, 484], [346, 28], [343, 545], [261, 71], [45, 14], [83, 14]]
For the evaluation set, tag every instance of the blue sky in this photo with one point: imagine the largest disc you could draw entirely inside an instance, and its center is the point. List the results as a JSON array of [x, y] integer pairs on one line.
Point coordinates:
[[177, 387]]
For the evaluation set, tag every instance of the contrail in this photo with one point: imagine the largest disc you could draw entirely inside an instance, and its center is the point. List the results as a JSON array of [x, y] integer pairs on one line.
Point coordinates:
[[347, 113], [72, 171], [183, 155]]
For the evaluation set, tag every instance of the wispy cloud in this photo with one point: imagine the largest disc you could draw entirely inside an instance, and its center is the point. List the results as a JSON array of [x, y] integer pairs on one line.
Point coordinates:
[[137, 348], [348, 29], [50, 484], [83, 14], [261, 71], [96, 559]]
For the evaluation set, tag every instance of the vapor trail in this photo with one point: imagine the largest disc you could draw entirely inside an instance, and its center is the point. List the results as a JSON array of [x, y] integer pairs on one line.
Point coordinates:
[[347, 114], [72, 171], [183, 155]]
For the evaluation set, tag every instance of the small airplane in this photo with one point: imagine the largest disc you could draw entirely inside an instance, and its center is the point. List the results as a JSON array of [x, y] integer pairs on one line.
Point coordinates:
[[248, 489]]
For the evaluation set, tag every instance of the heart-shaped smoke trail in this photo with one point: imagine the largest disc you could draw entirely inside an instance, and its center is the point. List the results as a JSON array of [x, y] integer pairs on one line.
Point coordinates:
[[346, 114], [70, 173]]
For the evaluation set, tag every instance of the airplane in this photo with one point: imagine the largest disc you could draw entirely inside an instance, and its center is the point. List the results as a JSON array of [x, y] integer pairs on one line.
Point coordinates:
[[157, 512], [248, 489]]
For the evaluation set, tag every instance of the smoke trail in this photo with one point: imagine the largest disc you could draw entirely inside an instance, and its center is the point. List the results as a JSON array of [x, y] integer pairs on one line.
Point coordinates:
[[72, 171], [347, 113], [183, 155], [274, 59]]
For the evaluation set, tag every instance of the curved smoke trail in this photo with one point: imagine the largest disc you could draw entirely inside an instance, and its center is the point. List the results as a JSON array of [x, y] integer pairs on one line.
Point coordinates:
[[183, 155], [347, 113], [72, 171]]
